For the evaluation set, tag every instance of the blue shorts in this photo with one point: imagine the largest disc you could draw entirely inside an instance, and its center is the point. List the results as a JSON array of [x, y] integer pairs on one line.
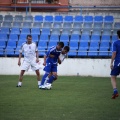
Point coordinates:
[[50, 67], [115, 71]]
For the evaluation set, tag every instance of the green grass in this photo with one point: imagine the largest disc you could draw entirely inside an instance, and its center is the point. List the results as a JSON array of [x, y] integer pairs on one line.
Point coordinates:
[[71, 98]]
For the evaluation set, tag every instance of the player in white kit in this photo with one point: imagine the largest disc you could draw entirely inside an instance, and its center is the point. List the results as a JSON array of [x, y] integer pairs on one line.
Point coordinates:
[[31, 59]]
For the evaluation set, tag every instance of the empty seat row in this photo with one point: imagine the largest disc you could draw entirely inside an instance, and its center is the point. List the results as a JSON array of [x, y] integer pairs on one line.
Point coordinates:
[[57, 18]]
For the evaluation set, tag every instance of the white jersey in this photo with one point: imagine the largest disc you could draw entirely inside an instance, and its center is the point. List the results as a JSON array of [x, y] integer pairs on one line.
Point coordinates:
[[62, 57], [29, 51]]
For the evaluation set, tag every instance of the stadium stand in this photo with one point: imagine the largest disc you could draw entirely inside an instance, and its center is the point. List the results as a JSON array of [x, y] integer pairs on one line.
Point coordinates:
[[82, 33]]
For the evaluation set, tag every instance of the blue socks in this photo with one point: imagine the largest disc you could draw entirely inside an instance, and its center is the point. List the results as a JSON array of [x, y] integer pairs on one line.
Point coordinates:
[[51, 79], [44, 78], [115, 90]]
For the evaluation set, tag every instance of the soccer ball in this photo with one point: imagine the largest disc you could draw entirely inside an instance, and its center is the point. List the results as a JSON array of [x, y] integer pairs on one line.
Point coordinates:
[[48, 86]]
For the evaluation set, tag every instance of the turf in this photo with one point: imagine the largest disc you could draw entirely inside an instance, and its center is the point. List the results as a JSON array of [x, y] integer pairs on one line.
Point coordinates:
[[71, 98]]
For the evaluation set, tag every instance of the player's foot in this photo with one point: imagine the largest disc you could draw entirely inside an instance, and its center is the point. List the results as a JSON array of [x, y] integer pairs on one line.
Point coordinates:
[[115, 95], [18, 86], [41, 87]]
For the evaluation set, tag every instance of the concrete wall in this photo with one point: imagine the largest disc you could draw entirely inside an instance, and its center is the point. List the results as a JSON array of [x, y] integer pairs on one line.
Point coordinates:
[[95, 2], [82, 67]]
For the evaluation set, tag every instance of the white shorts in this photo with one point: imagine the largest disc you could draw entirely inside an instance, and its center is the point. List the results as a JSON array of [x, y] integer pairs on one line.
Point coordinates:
[[32, 64]]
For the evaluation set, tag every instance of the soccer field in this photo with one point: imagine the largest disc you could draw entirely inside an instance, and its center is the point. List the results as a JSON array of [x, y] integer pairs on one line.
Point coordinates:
[[71, 98]]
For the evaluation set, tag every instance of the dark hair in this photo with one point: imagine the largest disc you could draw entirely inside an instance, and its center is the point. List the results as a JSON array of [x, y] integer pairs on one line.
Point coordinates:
[[29, 36], [67, 48], [61, 44], [118, 33]]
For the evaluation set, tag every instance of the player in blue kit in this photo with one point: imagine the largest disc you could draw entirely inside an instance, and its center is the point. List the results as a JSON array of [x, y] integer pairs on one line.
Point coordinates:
[[50, 63], [115, 65]]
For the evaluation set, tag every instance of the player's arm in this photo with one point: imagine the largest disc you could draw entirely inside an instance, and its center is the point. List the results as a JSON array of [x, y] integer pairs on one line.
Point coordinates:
[[113, 55], [112, 59], [44, 60], [59, 61], [37, 56], [19, 59]]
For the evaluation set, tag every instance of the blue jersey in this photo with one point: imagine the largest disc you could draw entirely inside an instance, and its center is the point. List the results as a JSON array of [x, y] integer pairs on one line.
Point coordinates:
[[116, 48], [55, 52]]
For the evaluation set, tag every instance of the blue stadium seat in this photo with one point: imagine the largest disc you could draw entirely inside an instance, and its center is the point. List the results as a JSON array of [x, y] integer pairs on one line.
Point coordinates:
[[68, 18], [37, 25], [64, 37], [86, 32], [48, 18], [55, 31], [77, 25], [114, 38], [105, 38], [18, 18], [58, 18], [67, 25], [17, 51], [47, 25], [107, 32], [66, 31], [4, 30], [88, 19], [25, 31], [52, 43], [15, 31], [3, 37], [45, 31], [8, 18], [11, 44], [82, 52], [104, 44], [73, 45], [108, 25], [28, 18], [75, 37], [87, 25], [22, 37], [83, 44], [114, 31], [1, 18], [57, 25], [93, 52], [2, 45], [41, 51], [10, 51], [35, 31], [20, 42], [94, 45], [54, 37], [13, 37], [96, 32], [103, 52], [98, 19], [27, 25], [78, 18], [95, 38], [17, 25], [117, 25], [109, 18], [42, 44], [72, 53], [85, 38], [98, 25], [2, 52], [35, 37], [6, 24], [38, 18], [76, 31], [44, 37]]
